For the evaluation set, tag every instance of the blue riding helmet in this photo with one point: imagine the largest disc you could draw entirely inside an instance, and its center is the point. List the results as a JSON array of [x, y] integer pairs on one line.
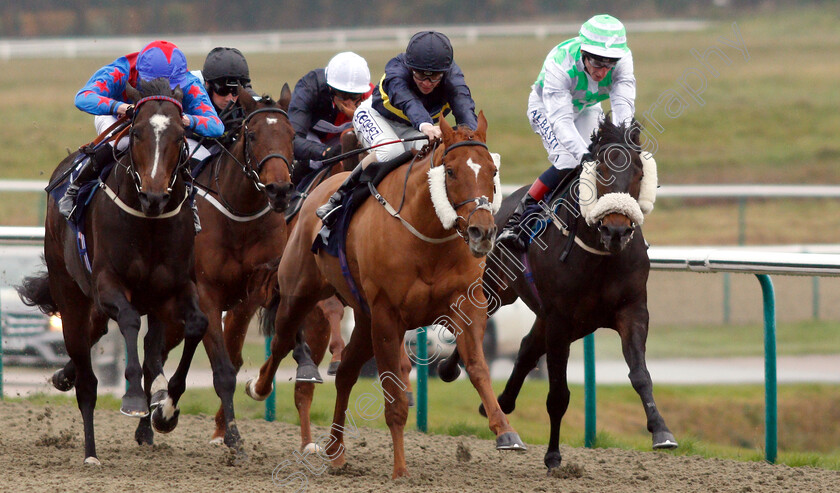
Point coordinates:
[[162, 59], [429, 51]]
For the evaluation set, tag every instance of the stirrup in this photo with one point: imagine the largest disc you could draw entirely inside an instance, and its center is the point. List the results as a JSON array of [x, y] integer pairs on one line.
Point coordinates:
[[67, 203]]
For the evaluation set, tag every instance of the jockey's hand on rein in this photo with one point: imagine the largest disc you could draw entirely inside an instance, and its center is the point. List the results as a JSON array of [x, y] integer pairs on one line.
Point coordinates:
[[431, 131], [331, 152]]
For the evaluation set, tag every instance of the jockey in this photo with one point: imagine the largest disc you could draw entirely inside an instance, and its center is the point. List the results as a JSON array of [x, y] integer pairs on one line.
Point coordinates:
[[419, 87], [322, 107], [225, 69], [104, 96], [564, 107]]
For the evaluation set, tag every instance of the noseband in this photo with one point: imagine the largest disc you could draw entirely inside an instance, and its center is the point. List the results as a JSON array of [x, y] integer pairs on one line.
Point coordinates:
[[184, 153], [252, 172]]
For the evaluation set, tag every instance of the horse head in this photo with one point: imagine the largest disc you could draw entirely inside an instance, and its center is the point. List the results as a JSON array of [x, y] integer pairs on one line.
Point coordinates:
[[268, 139], [157, 147], [464, 183], [617, 188]]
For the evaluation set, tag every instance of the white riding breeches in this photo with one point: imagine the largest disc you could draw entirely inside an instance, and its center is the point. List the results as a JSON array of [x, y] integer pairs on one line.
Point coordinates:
[[372, 128]]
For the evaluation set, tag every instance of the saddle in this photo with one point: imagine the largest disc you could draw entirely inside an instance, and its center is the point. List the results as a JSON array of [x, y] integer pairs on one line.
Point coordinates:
[[332, 241], [554, 198]]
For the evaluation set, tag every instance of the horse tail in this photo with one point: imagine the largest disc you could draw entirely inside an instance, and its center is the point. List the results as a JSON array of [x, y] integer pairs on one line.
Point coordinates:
[[35, 291], [263, 281]]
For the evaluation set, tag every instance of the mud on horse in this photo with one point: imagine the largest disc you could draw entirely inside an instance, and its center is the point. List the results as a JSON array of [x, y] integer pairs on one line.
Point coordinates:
[[140, 237], [413, 289], [590, 269]]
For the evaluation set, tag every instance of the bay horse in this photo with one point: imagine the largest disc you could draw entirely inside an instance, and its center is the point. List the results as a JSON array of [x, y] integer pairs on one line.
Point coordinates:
[[416, 275], [585, 274], [140, 238]]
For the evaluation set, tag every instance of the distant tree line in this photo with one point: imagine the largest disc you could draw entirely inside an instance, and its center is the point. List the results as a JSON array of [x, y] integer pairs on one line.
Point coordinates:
[[40, 18]]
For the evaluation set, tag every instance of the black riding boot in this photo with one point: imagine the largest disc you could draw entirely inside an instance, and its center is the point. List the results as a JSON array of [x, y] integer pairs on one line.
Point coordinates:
[[513, 231], [90, 170], [327, 211]]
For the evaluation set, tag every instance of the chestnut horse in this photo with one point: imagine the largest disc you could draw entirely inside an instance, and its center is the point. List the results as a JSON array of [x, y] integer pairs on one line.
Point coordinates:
[[411, 276], [594, 276], [140, 238]]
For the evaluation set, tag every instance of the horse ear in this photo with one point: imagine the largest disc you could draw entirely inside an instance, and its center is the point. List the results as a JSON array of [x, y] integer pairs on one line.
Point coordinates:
[[285, 97], [246, 100], [481, 131], [178, 93], [448, 133], [132, 93]]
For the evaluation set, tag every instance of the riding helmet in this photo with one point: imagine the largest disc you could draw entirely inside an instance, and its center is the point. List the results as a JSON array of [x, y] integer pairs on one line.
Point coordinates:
[[348, 72], [162, 59], [226, 63], [429, 51], [604, 36]]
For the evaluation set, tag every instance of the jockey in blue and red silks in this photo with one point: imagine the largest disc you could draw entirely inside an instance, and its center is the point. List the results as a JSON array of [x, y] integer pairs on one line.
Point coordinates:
[[104, 95]]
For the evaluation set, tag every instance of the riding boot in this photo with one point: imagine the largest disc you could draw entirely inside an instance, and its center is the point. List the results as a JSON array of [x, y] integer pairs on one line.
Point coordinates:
[[89, 171], [513, 231], [326, 211]]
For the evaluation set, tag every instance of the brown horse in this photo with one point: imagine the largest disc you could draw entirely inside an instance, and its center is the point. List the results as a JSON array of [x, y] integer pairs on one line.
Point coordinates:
[[140, 238], [585, 276], [415, 276]]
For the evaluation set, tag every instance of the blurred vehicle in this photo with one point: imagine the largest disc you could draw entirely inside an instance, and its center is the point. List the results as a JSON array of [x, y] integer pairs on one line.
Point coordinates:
[[29, 336]]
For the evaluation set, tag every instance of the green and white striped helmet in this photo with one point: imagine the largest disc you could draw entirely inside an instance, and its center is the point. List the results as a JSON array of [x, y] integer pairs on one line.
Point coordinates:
[[604, 35]]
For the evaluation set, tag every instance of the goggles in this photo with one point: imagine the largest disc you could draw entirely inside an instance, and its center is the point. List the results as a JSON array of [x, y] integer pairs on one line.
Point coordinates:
[[223, 87], [347, 96], [423, 75], [599, 62]]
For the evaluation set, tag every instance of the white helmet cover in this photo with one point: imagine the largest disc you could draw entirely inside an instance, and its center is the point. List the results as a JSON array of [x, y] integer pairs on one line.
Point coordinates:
[[348, 72]]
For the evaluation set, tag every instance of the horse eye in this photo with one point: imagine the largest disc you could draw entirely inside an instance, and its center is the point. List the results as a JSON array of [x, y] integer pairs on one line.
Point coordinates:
[[449, 172]]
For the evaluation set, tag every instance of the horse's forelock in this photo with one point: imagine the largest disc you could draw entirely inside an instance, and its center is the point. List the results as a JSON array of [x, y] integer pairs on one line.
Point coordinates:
[[267, 101], [624, 134], [155, 87]]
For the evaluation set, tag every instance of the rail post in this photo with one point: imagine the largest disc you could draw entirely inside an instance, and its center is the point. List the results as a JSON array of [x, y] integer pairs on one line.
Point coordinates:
[[422, 381], [271, 400], [589, 389], [770, 397]]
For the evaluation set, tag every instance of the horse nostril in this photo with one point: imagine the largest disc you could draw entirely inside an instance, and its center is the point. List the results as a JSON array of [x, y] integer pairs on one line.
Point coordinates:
[[474, 233]]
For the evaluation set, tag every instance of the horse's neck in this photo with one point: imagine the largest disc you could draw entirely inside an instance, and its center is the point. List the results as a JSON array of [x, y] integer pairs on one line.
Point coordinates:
[[234, 187], [418, 208]]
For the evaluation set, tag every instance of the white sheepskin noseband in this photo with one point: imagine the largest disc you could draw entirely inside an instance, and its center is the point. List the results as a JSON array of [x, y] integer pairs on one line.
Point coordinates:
[[594, 208], [443, 207]]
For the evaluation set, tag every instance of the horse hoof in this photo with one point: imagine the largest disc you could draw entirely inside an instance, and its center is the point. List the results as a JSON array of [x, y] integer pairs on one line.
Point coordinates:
[[134, 406], [552, 460], [251, 390], [165, 417], [144, 435], [481, 410], [157, 399], [410, 397], [333, 369], [308, 373], [217, 441], [92, 461], [505, 406], [510, 441], [449, 374], [61, 382], [664, 440]]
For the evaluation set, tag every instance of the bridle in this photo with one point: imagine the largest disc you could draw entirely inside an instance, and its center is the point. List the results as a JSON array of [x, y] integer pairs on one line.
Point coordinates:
[[184, 148], [482, 203], [251, 171]]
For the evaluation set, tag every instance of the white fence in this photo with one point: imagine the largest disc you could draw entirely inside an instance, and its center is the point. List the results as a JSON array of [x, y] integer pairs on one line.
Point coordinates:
[[303, 41]]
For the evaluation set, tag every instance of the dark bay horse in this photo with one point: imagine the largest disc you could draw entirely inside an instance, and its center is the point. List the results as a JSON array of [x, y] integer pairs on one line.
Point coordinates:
[[407, 278], [590, 270], [140, 237]]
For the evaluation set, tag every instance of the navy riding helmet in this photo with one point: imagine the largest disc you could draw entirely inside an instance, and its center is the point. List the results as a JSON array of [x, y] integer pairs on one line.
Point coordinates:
[[429, 51]]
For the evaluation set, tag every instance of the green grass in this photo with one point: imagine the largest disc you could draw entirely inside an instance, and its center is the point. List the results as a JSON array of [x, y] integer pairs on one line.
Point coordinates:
[[708, 421]]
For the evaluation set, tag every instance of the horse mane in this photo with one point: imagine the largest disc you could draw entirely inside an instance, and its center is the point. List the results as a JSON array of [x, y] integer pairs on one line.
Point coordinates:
[[607, 133], [156, 87], [266, 99]]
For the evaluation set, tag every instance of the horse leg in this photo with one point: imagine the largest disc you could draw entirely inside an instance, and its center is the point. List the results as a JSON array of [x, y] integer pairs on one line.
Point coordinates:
[[113, 300], [226, 357], [531, 350], [318, 328], [64, 378], [405, 374], [183, 308], [469, 343], [388, 351], [632, 326], [154, 382], [334, 311], [558, 397], [358, 351]]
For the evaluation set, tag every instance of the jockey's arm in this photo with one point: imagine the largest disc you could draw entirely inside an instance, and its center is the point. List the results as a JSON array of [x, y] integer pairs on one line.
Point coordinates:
[[557, 98], [623, 93]]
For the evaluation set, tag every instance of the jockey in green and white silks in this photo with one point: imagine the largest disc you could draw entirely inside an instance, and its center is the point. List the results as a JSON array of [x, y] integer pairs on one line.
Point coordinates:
[[565, 101], [564, 107]]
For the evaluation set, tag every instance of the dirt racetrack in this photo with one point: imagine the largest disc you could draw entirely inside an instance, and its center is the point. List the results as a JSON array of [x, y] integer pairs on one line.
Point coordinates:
[[41, 449]]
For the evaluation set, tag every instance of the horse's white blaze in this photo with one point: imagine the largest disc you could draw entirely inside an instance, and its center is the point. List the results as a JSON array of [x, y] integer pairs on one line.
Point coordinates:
[[159, 124], [271, 121], [475, 167]]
